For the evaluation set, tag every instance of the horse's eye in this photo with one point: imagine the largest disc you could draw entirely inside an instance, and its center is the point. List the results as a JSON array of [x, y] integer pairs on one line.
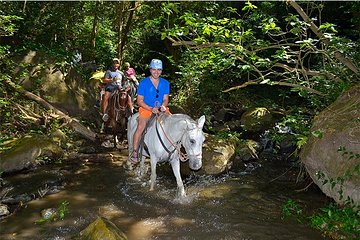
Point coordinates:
[[192, 141]]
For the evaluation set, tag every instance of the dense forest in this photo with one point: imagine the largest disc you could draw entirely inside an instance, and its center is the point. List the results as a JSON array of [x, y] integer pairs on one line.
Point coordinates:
[[294, 58]]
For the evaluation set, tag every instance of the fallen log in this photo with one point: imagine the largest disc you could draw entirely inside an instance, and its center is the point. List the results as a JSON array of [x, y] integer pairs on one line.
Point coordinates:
[[71, 122]]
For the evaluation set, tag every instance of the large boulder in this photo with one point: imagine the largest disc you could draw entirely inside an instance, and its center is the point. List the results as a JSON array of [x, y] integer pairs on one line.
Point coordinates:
[[217, 157], [28, 152], [331, 156], [60, 83], [257, 119]]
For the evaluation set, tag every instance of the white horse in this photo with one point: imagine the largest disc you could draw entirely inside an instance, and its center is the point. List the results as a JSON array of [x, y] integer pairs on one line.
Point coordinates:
[[163, 140]]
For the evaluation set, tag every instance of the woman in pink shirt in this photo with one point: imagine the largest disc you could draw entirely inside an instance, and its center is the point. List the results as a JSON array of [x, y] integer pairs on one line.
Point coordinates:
[[130, 73]]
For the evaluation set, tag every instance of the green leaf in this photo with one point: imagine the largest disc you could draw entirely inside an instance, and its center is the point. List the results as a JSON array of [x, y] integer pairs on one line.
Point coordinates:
[[317, 133]]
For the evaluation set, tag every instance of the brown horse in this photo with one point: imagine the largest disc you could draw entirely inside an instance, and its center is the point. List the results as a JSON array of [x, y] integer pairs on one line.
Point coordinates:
[[118, 104]]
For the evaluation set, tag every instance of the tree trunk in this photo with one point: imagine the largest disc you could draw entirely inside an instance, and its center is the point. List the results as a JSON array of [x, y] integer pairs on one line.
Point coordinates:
[[93, 32], [125, 15], [120, 25]]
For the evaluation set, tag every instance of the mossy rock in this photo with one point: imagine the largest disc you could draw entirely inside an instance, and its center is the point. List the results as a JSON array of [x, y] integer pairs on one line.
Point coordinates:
[[64, 87], [257, 119], [102, 229], [337, 127], [217, 157], [26, 152]]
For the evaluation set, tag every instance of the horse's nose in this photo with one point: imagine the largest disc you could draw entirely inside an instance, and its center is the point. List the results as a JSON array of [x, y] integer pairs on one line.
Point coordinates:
[[195, 164]]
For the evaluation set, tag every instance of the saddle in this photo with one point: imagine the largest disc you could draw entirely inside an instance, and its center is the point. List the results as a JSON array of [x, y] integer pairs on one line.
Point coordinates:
[[142, 144]]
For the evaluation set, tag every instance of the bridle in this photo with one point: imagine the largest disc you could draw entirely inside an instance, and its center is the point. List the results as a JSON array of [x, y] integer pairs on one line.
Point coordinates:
[[116, 95], [177, 146]]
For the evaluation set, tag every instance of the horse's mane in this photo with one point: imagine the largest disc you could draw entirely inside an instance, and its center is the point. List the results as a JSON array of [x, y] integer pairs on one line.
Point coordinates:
[[181, 116], [173, 118]]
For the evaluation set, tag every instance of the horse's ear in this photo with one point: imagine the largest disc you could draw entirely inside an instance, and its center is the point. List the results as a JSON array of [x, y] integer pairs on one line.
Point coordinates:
[[201, 121]]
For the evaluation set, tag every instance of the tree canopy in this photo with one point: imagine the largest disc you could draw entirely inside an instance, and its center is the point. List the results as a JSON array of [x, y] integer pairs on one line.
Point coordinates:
[[243, 53]]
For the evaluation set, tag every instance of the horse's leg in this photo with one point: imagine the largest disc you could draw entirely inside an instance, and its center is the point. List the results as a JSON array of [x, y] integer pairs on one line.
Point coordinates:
[[102, 128], [142, 165], [123, 127], [175, 165], [114, 130], [153, 162]]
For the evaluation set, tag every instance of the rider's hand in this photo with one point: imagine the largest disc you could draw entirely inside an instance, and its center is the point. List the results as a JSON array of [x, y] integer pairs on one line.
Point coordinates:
[[162, 108], [155, 110]]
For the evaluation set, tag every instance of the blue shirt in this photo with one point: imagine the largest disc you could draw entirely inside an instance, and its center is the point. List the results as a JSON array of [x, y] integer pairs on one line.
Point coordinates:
[[151, 94]]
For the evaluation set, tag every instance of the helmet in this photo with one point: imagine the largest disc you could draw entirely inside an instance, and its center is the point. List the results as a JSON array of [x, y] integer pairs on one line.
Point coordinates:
[[156, 64], [116, 60], [127, 64]]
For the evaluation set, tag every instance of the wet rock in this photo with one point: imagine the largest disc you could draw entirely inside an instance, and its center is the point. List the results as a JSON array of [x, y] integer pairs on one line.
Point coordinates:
[[49, 213], [227, 114], [27, 151], [18, 198], [4, 210], [217, 157], [257, 120], [249, 150], [287, 147], [331, 156], [102, 229], [218, 191], [87, 149], [59, 137]]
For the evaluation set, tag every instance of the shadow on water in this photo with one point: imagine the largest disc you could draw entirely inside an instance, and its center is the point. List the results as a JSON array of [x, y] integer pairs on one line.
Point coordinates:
[[236, 205]]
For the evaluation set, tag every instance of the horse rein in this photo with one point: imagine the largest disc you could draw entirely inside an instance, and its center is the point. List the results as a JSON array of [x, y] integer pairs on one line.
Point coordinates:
[[117, 107], [176, 146]]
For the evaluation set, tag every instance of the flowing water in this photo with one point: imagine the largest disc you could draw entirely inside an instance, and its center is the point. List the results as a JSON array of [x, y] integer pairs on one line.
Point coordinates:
[[236, 205]]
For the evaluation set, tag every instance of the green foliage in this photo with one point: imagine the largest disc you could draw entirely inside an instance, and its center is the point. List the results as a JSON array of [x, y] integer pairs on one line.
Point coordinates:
[[291, 208], [228, 136], [62, 210], [207, 47], [348, 175], [334, 221], [252, 45], [7, 24], [298, 123]]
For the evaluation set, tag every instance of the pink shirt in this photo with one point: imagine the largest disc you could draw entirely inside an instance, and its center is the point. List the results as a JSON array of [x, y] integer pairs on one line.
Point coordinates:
[[130, 72]]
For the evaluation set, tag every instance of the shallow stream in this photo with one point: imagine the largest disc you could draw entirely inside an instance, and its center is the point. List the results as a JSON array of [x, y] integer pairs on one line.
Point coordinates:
[[243, 204]]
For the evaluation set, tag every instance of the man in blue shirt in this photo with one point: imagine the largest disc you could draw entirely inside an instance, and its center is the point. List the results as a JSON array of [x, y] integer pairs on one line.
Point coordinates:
[[153, 97]]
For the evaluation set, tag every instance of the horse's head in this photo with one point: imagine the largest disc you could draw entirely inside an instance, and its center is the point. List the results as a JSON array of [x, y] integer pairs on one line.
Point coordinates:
[[118, 100], [192, 141]]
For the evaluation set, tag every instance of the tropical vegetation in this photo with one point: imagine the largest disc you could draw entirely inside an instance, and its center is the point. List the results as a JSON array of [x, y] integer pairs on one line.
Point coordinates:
[[295, 57]]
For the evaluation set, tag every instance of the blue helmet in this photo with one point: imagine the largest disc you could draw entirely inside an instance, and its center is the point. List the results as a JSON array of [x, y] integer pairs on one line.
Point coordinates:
[[156, 64]]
